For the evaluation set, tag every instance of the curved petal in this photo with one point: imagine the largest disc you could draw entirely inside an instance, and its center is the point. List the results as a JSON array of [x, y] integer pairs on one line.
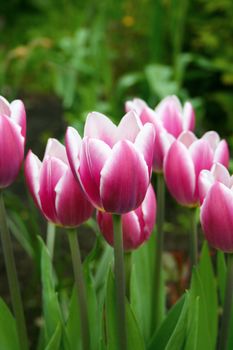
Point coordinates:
[[145, 144], [212, 137], [124, 179], [11, 150], [93, 155], [55, 149], [129, 127], [32, 168], [202, 155], [4, 107], [188, 117], [217, 217], [100, 127], [137, 105], [52, 170], [222, 154], [18, 113], [72, 206], [148, 115], [73, 144], [179, 174], [163, 141], [187, 138], [170, 111], [147, 214]]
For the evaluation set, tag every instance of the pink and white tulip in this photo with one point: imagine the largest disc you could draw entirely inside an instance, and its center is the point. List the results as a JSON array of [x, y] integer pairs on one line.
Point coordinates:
[[169, 120], [12, 139], [186, 158], [54, 189], [137, 225], [217, 208], [113, 163]]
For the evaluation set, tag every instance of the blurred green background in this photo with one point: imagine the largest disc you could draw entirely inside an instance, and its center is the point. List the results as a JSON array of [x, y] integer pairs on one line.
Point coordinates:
[[66, 58]]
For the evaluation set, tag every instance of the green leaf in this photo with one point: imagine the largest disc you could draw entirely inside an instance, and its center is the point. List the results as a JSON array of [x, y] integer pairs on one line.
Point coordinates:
[[162, 335], [221, 274], [8, 333], [72, 327], [54, 343], [192, 324]]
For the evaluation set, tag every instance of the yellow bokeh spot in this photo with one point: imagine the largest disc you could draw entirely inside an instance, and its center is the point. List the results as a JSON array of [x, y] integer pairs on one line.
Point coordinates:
[[128, 21]]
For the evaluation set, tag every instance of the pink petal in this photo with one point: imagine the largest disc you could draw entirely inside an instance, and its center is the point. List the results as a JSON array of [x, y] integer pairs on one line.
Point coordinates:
[[187, 138], [217, 217], [73, 144], [221, 154], [55, 149], [136, 105], [179, 174], [100, 127], [11, 150], [169, 111], [4, 107], [188, 117], [163, 141], [72, 206], [93, 155], [148, 115], [212, 138], [32, 168], [202, 155], [52, 170], [124, 179], [18, 113], [145, 144], [129, 127]]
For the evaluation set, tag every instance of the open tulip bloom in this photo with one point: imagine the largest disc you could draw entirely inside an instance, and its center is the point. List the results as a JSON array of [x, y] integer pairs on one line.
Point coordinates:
[[113, 163], [12, 139]]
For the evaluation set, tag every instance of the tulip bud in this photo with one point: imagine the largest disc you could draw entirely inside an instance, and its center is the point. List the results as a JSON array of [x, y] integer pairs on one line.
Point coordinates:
[[137, 225], [54, 189], [12, 139]]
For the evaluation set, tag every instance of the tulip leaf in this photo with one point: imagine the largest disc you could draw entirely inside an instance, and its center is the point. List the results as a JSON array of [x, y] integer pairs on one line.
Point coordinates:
[[8, 333], [73, 331], [221, 274], [192, 324], [54, 343], [134, 337], [164, 332]]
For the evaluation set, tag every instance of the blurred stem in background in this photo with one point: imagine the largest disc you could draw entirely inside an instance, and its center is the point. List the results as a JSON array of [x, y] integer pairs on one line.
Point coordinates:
[[80, 287], [50, 238], [128, 267], [12, 277], [119, 281], [159, 237]]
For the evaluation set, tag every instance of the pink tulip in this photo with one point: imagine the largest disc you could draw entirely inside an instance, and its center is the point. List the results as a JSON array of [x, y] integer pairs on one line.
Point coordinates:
[[217, 210], [54, 188], [169, 120], [12, 139], [137, 225], [112, 163], [186, 158]]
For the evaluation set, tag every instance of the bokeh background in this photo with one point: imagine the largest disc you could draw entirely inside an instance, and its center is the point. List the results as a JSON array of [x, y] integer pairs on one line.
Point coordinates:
[[65, 58]]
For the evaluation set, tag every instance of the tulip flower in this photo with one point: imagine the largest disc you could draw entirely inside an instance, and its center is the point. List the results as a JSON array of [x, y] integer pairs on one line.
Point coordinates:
[[137, 225], [186, 158], [169, 120], [113, 163], [12, 139], [54, 189]]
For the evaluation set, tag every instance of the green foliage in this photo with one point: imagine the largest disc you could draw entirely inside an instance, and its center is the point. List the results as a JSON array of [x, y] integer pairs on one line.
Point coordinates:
[[8, 334]]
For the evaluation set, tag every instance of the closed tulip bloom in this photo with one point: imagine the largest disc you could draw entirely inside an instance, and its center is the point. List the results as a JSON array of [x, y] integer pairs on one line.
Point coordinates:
[[12, 139], [169, 120], [113, 163], [186, 158], [137, 225], [54, 189]]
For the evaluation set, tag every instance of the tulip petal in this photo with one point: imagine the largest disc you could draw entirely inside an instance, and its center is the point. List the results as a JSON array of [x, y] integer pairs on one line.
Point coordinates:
[[4, 107], [202, 155], [100, 127], [169, 110], [32, 168], [18, 114], [72, 206], [221, 154], [217, 217], [93, 155], [147, 214], [212, 138], [188, 117], [11, 150], [136, 105], [73, 144], [145, 144], [52, 170], [180, 174], [129, 127], [187, 138], [55, 149], [124, 179]]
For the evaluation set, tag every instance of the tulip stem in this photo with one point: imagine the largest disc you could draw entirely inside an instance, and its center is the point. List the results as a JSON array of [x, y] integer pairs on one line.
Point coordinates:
[[12, 277], [156, 316], [50, 238], [226, 317], [128, 265], [80, 286], [193, 238], [120, 281]]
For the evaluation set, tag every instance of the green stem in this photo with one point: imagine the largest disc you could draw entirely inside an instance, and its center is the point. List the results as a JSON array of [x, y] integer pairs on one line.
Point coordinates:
[[226, 317], [80, 285], [128, 265], [193, 238], [158, 254], [12, 277], [50, 238], [120, 281]]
